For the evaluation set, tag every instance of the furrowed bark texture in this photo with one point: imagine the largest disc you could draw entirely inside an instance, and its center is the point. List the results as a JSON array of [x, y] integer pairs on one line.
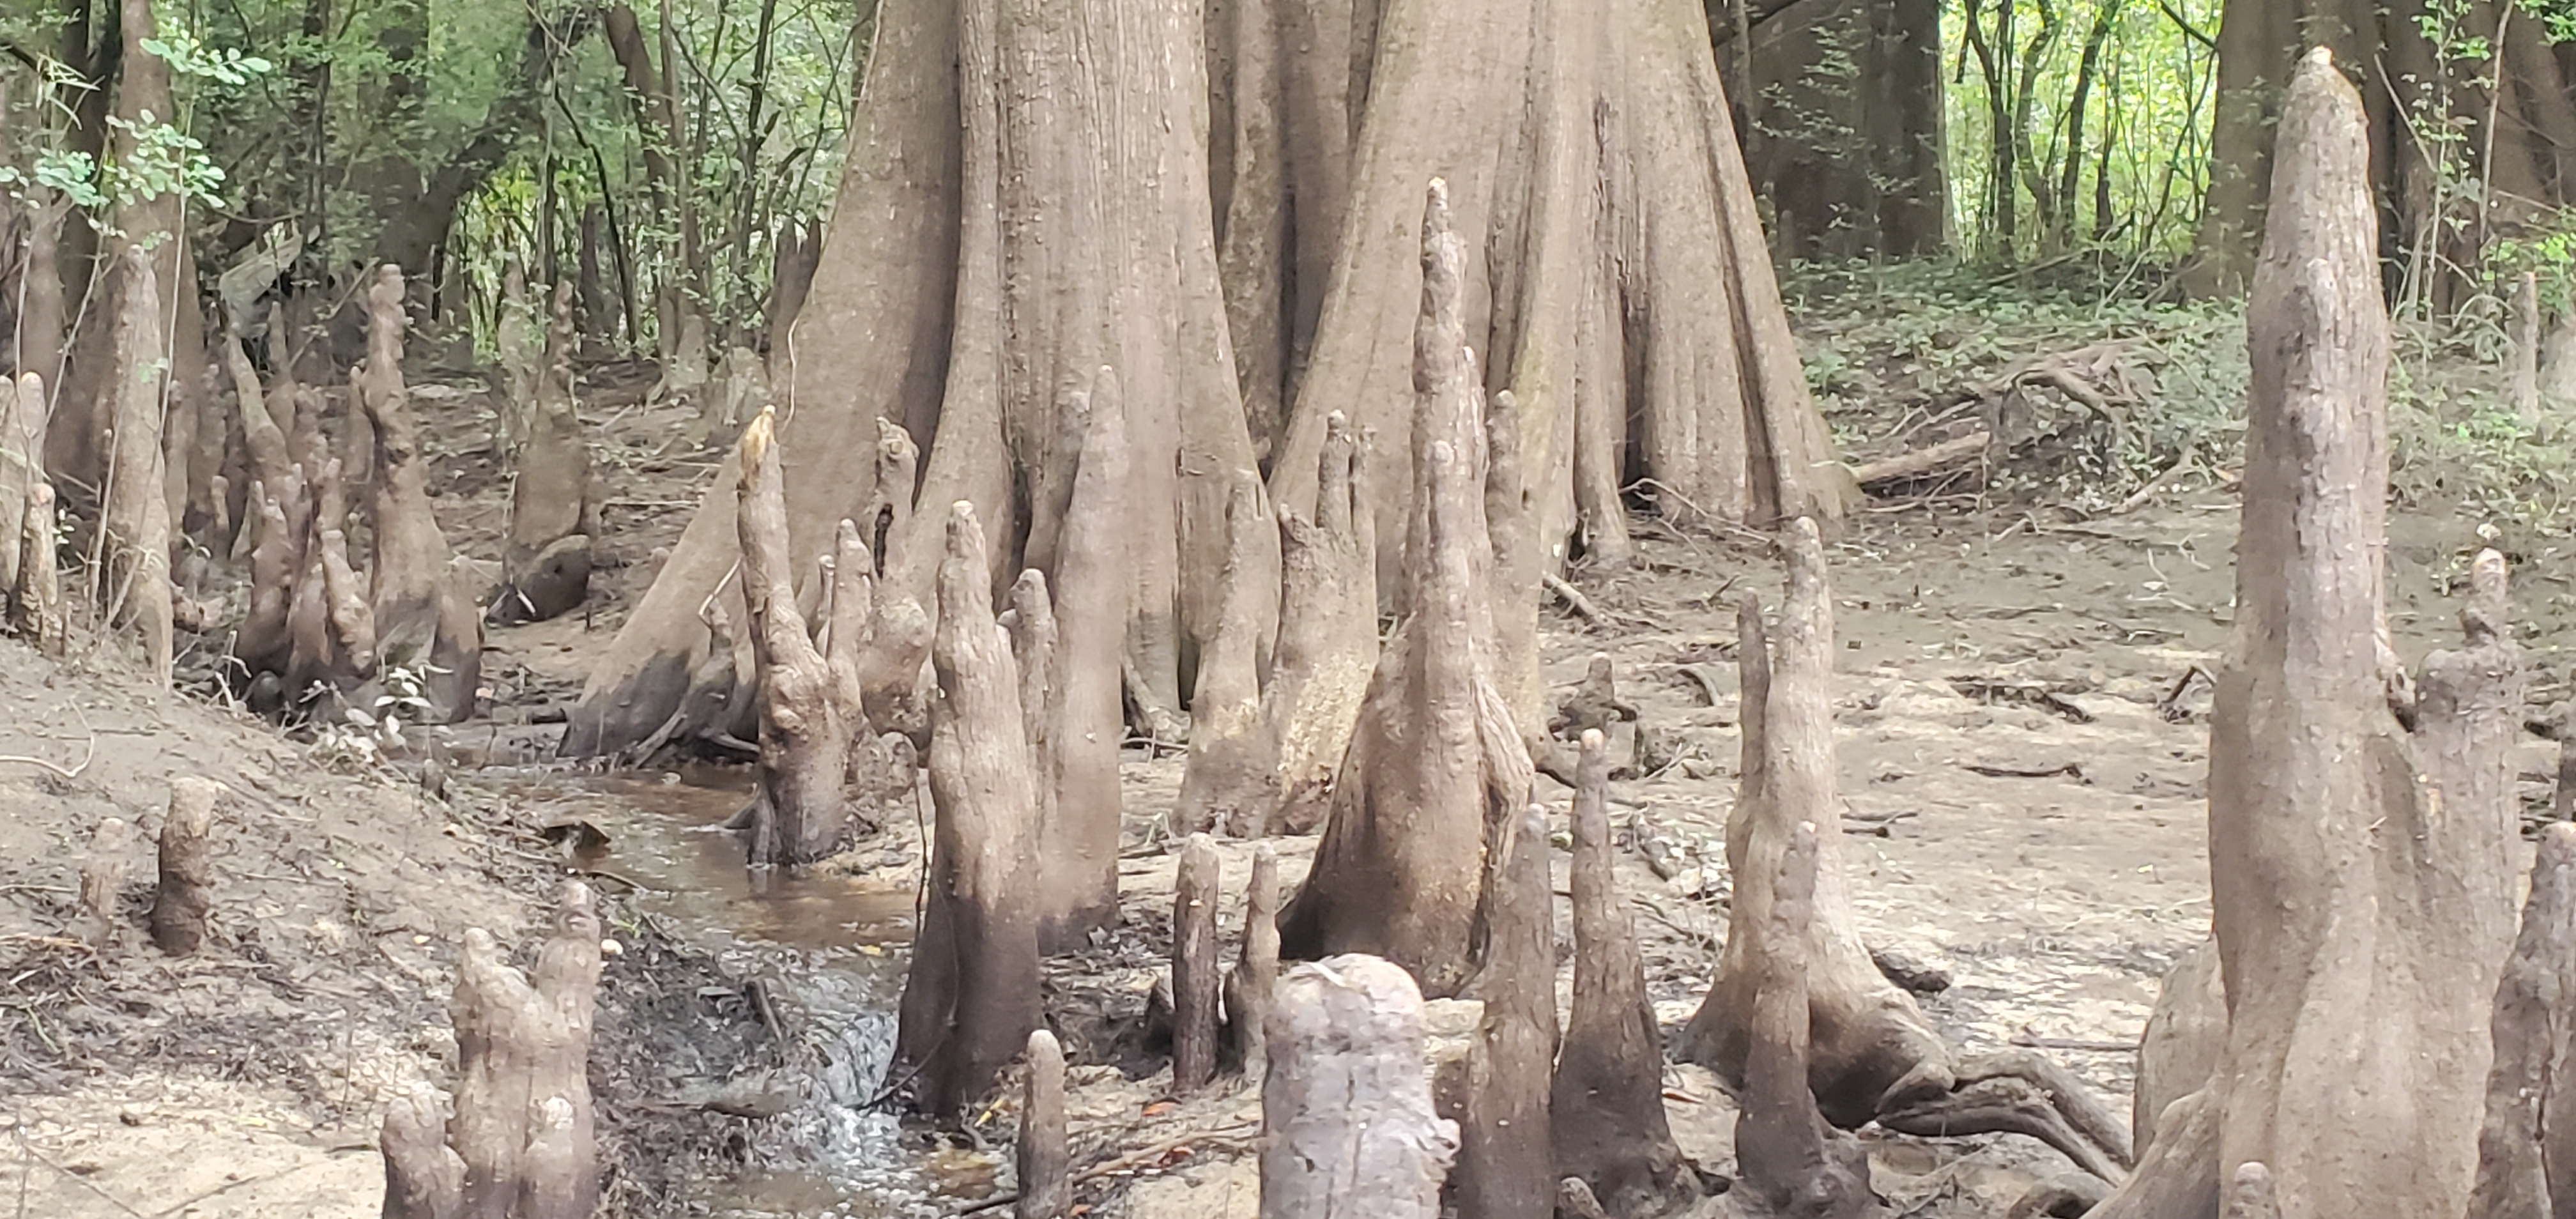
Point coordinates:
[[811, 721], [1346, 1106], [1328, 642], [1868, 1035], [2526, 1154], [185, 893], [1092, 592], [1194, 967], [2362, 912], [1047, 165], [1794, 1162], [521, 1142], [1435, 767], [136, 512], [971, 997], [1248, 985], [1607, 1104], [1231, 779], [1504, 1163], [1048, 188]]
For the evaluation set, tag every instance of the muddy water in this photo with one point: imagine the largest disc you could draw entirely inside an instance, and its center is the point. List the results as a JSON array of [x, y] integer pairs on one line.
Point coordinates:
[[829, 949]]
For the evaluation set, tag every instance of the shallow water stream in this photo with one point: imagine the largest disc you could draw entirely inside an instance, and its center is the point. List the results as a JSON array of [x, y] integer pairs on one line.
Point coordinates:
[[828, 949]]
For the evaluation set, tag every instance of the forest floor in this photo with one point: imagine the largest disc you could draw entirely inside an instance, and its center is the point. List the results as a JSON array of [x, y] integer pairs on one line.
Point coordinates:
[[2022, 746]]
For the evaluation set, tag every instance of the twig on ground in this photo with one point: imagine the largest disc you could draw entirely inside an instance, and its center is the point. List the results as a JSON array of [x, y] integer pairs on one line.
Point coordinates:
[[88, 755], [2152, 487], [1574, 599]]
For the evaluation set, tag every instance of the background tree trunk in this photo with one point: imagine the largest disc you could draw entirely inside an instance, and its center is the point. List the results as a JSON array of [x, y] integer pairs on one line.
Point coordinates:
[[1848, 147]]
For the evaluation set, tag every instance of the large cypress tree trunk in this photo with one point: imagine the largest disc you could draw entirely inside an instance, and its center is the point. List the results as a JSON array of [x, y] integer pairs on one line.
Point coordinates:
[[1031, 195]]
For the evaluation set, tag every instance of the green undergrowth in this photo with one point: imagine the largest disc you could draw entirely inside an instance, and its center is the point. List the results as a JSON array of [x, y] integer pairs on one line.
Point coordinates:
[[1892, 353]]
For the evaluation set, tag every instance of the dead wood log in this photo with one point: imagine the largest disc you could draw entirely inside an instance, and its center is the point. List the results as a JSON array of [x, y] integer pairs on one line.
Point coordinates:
[[1935, 459], [2361, 874], [1249, 984], [1504, 1161], [1231, 779], [1328, 642], [1094, 589], [1606, 1108], [1194, 968], [970, 998], [1045, 1163], [102, 882], [1346, 1105], [2527, 1161], [521, 1141], [1794, 1163], [135, 510], [1871, 1053], [811, 721], [425, 616], [554, 507], [186, 890], [1435, 759]]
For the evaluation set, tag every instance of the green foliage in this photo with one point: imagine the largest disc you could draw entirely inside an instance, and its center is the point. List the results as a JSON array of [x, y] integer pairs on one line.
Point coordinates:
[[1889, 348], [189, 57], [2149, 97]]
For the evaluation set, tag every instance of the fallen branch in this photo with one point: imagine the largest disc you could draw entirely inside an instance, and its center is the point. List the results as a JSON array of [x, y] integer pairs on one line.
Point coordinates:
[[1574, 599], [1908, 466]]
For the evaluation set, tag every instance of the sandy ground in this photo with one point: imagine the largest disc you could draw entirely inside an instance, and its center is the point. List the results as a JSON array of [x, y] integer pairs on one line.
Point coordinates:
[[2000, 707]]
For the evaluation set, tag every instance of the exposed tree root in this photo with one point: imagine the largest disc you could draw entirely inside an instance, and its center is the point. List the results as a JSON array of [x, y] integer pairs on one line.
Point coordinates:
[[1505, 1155], [520, 1142], [1606, 1107], [1795, 1164], [1436, 768], [1871, 1053], [813, 728], [2526, 1151], [970, 999], [554, 508], [1328, 643], [2361, 865], [1346, 1101]]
